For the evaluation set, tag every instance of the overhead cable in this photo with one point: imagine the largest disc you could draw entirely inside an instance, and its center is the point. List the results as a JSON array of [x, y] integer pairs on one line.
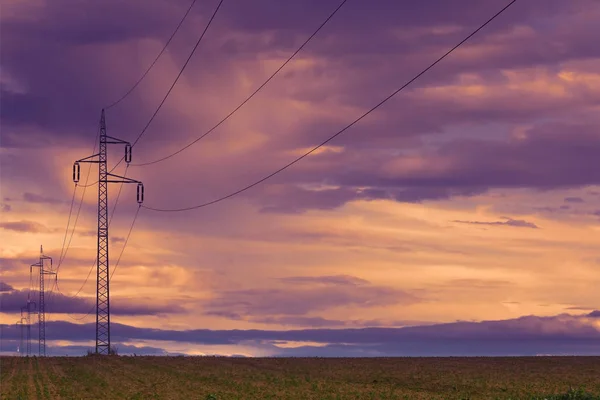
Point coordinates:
[[218, 200]]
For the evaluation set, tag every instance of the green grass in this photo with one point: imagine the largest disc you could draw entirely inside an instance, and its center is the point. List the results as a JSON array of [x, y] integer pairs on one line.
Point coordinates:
[[216, 378]]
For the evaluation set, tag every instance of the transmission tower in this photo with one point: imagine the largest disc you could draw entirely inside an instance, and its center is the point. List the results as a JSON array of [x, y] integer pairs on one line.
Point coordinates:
[[22, 325], [102, 260], [27, 318], [41, 305]]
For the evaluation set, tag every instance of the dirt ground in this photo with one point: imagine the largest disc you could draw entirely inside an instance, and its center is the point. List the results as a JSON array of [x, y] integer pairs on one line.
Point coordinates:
[[216, 378]]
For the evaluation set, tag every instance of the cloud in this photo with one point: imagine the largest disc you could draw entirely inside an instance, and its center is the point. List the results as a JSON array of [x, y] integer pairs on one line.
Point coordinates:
[[594, 314], [479, 283], [518, 223], [39, 198], [573, 200], [25, 226], [326, 280], [529, 335], [57, 303], [14, 264], [513, 111], [5, 287], [305, 295], [549, 156]]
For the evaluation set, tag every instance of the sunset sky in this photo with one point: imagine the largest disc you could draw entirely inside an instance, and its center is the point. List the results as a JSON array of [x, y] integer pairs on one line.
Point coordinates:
[[466, 208]]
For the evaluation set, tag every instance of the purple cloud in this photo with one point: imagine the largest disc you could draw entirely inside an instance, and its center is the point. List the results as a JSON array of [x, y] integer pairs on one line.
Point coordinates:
[[25, 226], [518, 223], [326, 280], [39, 198], [57, 303], [5, 287], [530, 335], [573, 200], [305, 295], [594, 314]]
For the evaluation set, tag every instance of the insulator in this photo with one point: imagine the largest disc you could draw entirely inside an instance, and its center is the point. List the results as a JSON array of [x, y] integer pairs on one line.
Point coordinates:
[[140, 193], [127, 153], [76, 171]]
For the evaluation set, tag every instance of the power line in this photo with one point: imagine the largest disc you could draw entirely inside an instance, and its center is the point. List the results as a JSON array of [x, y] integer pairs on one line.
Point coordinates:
[[174, 82], [180, 73], [125, 243], [63, 252], [94, 262], [156, 59], [114, 269], [68, 223], [253, 93], [339, 132]]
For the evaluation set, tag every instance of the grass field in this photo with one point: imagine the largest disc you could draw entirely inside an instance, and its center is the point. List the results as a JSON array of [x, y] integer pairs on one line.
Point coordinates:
[[217, 378]]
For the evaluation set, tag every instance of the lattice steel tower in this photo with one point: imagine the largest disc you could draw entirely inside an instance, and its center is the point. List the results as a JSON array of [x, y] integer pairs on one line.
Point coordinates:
[[22, 325], [27, 308], [41, 304], [102, 260]]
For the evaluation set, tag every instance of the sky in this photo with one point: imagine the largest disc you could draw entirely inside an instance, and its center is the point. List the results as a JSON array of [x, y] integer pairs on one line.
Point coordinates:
[[462, 217]]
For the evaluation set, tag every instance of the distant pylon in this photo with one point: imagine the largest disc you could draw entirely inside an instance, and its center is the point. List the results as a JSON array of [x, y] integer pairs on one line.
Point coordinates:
[[102, 261], [28, 309], [22, 325], [41, 305]]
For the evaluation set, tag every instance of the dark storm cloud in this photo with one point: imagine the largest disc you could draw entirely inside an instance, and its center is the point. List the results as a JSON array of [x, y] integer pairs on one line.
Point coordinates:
[[531, 335], [518, 223], [57, 303]]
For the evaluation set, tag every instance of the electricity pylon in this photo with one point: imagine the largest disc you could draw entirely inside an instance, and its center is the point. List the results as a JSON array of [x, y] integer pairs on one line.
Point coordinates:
[[42, 306], [27, 318], [102, 261], [20, 322]]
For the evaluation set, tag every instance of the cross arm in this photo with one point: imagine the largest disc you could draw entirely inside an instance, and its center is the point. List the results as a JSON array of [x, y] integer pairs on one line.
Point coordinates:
[[89, 159]]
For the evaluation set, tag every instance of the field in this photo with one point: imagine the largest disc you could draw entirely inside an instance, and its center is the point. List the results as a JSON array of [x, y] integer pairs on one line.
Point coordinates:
[[217, 378]]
